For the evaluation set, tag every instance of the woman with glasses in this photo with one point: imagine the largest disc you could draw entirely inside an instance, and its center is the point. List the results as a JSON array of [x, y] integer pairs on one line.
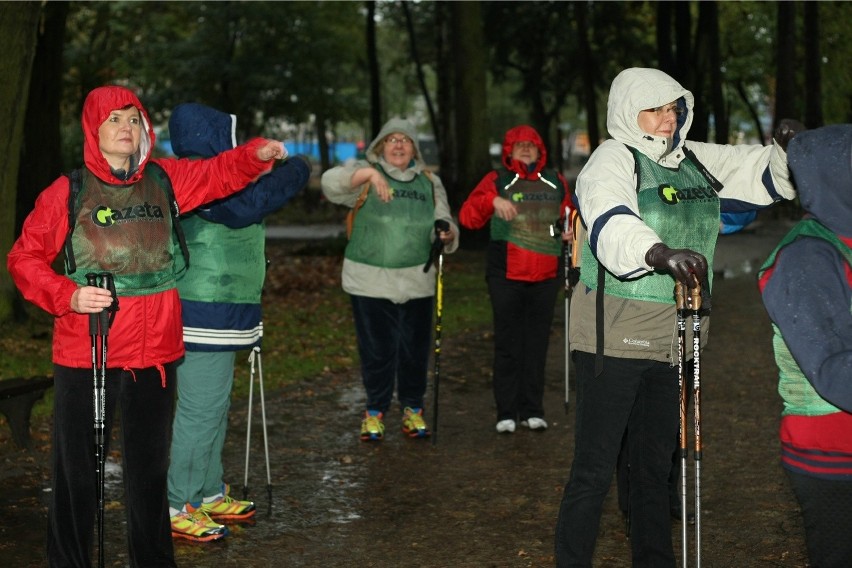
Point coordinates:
[[520, 201], [651, 204], [396, 206]]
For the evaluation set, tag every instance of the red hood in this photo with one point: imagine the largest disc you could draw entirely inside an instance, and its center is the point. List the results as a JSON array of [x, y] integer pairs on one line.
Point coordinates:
[[523, 133], [99, 103]]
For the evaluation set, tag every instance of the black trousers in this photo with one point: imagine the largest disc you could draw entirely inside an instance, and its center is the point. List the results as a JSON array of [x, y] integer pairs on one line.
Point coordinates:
[[825, 507], [146, 406], [641, 397], [393, 344], [523, 314]]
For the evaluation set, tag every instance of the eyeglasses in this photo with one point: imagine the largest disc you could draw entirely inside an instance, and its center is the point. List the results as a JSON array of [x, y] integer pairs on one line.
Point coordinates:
[[664, 110], [404, 140]]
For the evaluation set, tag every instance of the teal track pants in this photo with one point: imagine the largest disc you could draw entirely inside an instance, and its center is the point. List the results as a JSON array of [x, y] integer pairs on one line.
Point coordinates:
[[201, 423]]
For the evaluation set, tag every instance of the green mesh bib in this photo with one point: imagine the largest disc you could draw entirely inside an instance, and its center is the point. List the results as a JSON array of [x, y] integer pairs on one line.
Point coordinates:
[[800, 397], [682, 207], [538, 203], [221, 274], [397, 234], [125, 230]]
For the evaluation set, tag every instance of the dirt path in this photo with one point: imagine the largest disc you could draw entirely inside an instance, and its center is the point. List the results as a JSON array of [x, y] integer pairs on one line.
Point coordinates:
[[474, 499]]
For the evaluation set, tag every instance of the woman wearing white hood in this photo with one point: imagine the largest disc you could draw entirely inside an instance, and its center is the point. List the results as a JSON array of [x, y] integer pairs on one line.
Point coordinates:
[[651, 204], [397, 204]]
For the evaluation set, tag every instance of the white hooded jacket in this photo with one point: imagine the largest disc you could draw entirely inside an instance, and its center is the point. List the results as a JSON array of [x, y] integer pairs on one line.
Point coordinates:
[[752, 177]]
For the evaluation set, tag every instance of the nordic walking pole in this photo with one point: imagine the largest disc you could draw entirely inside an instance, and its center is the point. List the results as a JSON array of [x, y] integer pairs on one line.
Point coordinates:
[[572, 276], [566, 260], [263, 419], [94, 325], [437, 256], [99, 327], [694, 302], [248, 424], [680, 304], [255, 355]]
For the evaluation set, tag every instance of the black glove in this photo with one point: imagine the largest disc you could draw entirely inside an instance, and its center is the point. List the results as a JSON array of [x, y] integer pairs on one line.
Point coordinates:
[[687, 266], [787, 128]]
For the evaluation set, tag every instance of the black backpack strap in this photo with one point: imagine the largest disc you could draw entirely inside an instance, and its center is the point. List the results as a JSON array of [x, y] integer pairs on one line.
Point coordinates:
[[714, 183], [74, 184], [599, 323], [174, 208]]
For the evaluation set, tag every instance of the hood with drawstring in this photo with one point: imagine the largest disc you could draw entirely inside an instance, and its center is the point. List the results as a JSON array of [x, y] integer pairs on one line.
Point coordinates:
[[637, 89], [523, 133], [99, 103], [403, 126], [198, 130], [821, 163]]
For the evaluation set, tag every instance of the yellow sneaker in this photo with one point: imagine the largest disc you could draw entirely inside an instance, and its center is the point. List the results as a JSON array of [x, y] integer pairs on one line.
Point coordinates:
[[226, 508], [193, 524], [412, 423], [372, 427]]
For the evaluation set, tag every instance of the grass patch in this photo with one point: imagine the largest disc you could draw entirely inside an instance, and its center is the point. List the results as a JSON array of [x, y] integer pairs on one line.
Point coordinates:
[[308, 328]]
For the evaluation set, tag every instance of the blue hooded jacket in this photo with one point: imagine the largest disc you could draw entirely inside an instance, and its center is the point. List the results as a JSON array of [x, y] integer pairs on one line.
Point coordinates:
[[220, 293]]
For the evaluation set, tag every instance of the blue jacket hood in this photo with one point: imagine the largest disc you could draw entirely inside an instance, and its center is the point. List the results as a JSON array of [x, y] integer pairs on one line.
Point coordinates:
[[821, 163], [198, 130]]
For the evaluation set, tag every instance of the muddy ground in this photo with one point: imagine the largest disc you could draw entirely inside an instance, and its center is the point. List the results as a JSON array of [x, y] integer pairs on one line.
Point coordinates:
[[474, 499]]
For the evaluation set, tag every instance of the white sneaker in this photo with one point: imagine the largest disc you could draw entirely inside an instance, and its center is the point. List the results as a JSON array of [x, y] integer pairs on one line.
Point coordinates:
[[506, 426], [534, 423]]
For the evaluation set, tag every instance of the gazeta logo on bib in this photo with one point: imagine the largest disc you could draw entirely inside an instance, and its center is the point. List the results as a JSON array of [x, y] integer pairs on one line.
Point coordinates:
[[671, 195], [104, 216]]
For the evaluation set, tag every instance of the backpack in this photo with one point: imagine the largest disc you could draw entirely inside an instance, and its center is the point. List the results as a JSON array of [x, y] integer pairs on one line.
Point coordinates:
[[75, 182]]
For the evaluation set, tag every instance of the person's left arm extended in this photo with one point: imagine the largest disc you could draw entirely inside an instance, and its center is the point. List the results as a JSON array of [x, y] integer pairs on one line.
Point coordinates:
[[751, 174], [200, 181], [261, 198], [808, 296]]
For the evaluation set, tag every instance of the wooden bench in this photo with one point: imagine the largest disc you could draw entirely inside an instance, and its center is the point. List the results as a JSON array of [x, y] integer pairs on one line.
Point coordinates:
[[17, 397]]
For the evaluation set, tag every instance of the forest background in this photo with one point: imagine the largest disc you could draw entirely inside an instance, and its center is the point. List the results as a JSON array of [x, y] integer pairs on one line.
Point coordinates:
[[465, 72]]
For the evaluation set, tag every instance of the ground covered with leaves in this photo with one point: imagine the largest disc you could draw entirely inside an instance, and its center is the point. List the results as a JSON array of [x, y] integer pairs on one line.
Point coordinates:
[[471, 499]]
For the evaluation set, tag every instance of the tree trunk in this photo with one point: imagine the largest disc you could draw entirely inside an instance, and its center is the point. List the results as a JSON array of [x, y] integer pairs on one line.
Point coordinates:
[[714, 64], [471, 117], [813, 64], [421, 78], [446, 117], [589, 97], [375, 80], [41, 154], [18, 26], [785, 63]]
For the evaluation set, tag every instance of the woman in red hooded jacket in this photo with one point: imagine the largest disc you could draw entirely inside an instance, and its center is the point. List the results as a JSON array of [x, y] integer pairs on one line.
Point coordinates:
[[522, 200], [122, 225]]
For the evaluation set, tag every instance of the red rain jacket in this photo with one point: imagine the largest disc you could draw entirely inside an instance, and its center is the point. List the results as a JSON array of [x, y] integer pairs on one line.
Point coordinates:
[[147, 331], [514, 262]]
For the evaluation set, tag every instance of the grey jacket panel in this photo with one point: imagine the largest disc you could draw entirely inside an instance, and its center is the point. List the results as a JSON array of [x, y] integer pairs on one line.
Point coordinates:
[[632, 328]]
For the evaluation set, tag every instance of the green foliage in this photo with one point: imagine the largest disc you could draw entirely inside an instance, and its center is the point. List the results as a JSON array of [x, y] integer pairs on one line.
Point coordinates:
[[269, 63]]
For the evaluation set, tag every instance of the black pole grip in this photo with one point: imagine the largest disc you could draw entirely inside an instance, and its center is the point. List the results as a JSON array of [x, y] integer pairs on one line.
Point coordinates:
[[107, 284], [437, 245], [92, 280]]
